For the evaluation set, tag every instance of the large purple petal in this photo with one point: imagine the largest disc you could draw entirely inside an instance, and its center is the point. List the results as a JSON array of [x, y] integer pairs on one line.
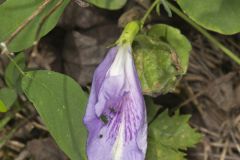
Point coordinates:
[[116, 115]]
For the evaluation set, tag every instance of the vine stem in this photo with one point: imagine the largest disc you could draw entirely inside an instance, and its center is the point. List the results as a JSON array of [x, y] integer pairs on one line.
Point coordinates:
[[14, 62], [213, 40], [27, 21], [4, 50], [44, 19], [148, 12]]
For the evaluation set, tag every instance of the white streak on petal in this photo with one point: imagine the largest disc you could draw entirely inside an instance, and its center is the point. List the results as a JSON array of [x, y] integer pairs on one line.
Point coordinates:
[[119, 61], [118, 145]]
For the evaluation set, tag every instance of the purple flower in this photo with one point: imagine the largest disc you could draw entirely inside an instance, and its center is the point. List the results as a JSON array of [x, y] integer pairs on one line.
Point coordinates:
[[116, 113]]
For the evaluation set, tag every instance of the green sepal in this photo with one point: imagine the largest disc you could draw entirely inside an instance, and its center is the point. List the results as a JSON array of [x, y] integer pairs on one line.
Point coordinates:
[[161, 57]]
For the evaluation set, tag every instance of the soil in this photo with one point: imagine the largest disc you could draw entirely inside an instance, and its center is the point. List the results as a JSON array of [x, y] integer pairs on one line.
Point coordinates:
[[210, 90]]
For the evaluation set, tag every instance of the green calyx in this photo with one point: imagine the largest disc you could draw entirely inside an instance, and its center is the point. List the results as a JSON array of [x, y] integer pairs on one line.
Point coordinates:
[[129, 33]]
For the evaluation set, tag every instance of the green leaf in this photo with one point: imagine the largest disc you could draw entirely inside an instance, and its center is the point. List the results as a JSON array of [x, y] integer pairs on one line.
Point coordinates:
[[166, 7], [217, 15], [3, 108], [179, 44], [12, 76], [161, 56], [61, 103], [14, 13], [168, 135], [7, 98], [158, 9], [108, 4], [152, 109]]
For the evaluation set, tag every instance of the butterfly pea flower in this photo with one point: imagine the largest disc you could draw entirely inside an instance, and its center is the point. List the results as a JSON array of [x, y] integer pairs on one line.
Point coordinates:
[[116, 113]]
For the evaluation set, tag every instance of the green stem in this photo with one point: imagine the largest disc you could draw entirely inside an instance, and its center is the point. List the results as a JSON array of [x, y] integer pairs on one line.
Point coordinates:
[[143, 20], [17, 66], [129, 33], [9, 115], [213, 40], [8, 136], [4, 50]]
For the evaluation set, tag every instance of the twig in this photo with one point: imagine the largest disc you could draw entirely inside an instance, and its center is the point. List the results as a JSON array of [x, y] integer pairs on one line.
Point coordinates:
[[216, 156], [13, 131], [206, 131], [224, 152], [220, 145], [235, 141], [23, 155], [216, 82]]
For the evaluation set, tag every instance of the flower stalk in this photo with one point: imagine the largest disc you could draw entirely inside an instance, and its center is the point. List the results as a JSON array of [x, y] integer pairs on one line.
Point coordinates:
[[148, 12], [129, 33]]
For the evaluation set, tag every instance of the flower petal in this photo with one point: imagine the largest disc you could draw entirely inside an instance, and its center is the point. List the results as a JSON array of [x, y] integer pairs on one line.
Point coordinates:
[[98, 79], [116, 120]]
